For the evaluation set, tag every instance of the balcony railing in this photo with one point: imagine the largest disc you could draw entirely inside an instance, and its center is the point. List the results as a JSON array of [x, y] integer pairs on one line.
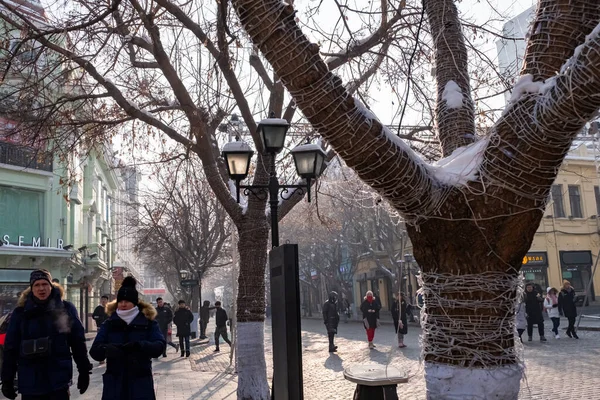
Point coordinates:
[[27, 157]]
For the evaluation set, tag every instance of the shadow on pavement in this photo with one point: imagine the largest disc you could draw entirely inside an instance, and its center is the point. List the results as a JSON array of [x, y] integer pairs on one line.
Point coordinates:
[[334, 363]]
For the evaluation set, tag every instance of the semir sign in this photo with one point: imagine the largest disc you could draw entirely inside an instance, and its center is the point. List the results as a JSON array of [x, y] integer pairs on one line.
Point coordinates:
[[35, 242]]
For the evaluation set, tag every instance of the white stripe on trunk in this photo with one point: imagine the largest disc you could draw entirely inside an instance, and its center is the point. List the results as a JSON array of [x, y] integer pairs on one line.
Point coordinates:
[[446, 382], [252, 368]]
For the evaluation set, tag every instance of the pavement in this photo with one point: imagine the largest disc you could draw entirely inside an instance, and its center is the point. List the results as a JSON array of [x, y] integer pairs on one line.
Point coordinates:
[[564, 368]]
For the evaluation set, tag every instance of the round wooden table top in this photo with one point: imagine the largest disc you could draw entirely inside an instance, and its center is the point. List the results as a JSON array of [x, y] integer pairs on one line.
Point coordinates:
[[375, 375]]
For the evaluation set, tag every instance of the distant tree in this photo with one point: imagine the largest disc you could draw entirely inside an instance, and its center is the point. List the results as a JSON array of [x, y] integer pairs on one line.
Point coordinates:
[[182, 227]]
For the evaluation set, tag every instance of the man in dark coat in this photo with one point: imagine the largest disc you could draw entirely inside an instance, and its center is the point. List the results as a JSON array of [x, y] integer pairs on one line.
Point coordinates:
[[221, 321], [566, 306], [164, 316], [99, 314], [399, 315], [331, 318], [128, 340], [43, 332], [182, 320], [533, 308], [204, 317]]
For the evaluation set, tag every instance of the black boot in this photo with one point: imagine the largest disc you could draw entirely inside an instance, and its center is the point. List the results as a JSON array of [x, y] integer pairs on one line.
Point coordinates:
[[575, 335]]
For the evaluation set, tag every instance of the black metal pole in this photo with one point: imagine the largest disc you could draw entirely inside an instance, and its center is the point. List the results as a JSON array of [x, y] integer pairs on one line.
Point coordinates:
[[274, 202]]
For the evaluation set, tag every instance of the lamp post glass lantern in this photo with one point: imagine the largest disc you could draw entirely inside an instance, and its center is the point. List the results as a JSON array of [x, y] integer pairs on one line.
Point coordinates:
[[308, 158]]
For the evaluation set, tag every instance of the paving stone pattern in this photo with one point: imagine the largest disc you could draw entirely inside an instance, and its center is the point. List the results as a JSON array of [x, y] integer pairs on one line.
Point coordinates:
[[564, 368]]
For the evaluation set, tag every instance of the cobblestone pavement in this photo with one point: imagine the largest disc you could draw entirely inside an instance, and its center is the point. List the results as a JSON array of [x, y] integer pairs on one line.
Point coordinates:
[[564, 368]]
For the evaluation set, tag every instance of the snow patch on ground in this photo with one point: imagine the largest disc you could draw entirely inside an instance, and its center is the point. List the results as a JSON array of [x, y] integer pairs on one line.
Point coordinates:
[[452, 95], [461, 166]]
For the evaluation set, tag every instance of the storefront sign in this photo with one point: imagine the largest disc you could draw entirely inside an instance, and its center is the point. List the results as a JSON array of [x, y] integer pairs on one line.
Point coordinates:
[[35, 242], [537, 258]]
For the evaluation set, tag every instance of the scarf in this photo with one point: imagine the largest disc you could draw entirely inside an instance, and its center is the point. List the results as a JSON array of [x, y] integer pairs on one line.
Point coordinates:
[[128, 315], [553, 298]]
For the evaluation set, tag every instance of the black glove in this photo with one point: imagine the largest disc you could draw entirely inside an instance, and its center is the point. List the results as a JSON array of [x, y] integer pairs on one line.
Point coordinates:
[[8, 390], [554, 305], [113, 351], [83, 381], [132, 347]]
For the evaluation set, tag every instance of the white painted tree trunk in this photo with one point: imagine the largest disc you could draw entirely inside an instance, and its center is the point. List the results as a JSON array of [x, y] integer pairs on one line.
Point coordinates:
[[445, 382], [252, 368]]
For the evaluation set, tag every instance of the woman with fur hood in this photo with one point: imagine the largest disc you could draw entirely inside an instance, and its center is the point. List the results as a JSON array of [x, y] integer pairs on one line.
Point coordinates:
[[129, 340]]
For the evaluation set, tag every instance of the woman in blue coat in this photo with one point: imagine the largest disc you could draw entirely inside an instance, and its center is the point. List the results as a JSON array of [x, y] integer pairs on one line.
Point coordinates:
[[128, 340]]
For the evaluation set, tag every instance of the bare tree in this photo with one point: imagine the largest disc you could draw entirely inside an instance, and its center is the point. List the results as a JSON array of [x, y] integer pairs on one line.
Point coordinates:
[[182, 227], [471, 228], [163, 76]]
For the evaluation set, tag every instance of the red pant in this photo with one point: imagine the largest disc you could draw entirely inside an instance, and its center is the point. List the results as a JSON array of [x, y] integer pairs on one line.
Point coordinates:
[[370, 334]]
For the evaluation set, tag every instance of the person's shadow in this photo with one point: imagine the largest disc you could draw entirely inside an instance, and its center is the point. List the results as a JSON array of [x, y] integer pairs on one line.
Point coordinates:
[[334, 363]]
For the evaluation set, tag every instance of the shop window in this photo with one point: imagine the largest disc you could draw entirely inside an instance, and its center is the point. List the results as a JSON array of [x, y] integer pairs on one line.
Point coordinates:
[[575, 200], [557, 200], [21, 214]]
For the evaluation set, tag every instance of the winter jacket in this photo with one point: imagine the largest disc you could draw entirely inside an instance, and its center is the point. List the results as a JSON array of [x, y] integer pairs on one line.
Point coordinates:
[[99, 315], [221, 317], [521, 316], [56, 319], [370, 318], [183, 319], [129, 366], [164, 316], [533, 306], [331, 317], [566, 303], [399, 314], [205, 312], [551, 309]]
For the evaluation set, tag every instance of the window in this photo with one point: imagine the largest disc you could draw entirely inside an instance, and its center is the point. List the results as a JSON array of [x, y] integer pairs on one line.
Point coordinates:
[[597, 194], [557, 198], [575, 200], [21, 214]]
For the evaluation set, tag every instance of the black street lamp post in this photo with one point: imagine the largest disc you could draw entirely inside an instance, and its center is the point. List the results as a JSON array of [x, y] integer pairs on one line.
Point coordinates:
[[308, 158], [284, 271]]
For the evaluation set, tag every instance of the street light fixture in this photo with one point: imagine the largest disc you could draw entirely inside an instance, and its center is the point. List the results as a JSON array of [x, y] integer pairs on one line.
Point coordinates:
[[308, 158], [184, 274]]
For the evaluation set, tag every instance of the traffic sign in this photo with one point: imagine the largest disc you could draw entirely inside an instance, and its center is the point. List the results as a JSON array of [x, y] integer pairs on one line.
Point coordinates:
[[189, 282]]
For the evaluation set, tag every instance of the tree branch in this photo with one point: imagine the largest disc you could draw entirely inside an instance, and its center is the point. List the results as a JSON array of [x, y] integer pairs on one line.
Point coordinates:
[[455, 119], [559, 26], [380, 159]]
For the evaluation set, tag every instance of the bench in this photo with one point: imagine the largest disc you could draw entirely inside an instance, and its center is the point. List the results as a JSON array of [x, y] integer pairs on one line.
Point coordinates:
[[375, 382]]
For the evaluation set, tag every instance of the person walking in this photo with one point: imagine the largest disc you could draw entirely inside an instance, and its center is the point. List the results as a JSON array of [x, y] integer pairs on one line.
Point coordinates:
[[370, 310], [128, 341], [399, 315], [521, 318], [221, 321], [164, 317], [551, 307], [566, 307], [99, 314], [331, 318], [204, 317], [533, 308], [44, 335], [345, 307], [183, 319]]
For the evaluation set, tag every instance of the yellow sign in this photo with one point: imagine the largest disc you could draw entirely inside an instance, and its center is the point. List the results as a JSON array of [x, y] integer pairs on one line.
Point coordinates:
[[527, 259]]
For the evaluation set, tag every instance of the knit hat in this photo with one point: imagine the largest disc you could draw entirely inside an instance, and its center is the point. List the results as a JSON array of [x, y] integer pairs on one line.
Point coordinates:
[[40, 274], [548, 290], [128, 291]]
